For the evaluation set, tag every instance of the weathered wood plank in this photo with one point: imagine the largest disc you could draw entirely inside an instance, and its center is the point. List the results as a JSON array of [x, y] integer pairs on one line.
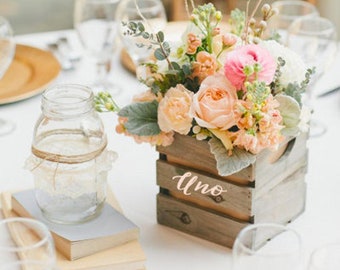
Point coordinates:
[[271, 190], [189, 152], [236, 201], [239, 201], [208, 225], [284, 202], [268, 175]]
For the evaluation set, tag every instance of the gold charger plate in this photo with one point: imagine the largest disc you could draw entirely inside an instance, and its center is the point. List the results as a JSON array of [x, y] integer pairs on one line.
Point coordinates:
[[31, 71]]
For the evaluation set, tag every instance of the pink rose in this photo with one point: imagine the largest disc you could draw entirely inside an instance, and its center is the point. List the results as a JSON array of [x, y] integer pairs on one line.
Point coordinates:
[[174, 109], [249, 55], [213, 104]]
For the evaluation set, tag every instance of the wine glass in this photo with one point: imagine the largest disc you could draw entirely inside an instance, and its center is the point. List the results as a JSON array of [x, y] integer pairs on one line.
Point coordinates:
[[267, 246], [288, 11], [314, 39], [96, 24], [326, 257], [24, 240], [153, 12], [7, 50]]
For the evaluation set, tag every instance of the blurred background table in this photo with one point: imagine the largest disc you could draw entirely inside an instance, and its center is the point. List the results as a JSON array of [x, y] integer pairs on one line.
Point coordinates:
[[133, 178]]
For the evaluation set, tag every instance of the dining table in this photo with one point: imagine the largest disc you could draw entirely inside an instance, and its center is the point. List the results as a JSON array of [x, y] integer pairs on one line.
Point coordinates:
[[133, 175]]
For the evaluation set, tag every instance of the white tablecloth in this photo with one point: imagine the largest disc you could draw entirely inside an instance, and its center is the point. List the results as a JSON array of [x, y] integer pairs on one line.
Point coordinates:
[[133, 178]]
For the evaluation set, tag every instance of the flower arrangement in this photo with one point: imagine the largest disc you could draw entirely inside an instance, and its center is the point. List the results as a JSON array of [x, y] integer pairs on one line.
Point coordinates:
[[240, 90]]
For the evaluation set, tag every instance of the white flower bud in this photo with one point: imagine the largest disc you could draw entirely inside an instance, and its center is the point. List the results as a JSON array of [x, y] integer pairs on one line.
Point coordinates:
[[263, 24], [265, 8], [252, 21], [196, 129], [275, 11], [201, 136]]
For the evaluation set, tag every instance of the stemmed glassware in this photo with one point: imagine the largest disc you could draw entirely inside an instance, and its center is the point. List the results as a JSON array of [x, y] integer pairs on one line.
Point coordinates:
[[26, 242], [325, 257], [7, 50], [289, 11], [267, 246], [314, 39], [153, 12], [96, 24]]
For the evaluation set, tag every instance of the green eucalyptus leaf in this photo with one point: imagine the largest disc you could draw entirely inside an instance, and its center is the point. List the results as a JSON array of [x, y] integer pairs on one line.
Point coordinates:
[[227, 165], [290, 111], [166, 45], [142, 118], [186, 69], [132, 26], [145, 35], [160, 35], [141, 27], [176, 66], [159, 54]]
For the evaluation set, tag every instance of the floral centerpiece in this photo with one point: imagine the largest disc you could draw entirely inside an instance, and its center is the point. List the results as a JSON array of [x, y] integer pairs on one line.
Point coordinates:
[[240, 89]]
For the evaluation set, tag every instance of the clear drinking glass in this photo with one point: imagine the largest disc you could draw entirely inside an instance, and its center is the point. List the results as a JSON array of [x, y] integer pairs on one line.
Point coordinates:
[[25, 240], [326, 257], [266, 247], [154, 13], [7, 50], [315, 40], [96, 24], [288, 12]]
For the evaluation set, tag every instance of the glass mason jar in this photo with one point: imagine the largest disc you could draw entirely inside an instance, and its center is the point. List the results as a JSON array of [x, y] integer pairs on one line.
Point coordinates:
[[69, 158]]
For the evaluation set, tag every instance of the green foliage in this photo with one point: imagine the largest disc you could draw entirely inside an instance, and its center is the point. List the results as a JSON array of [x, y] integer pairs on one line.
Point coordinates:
[[294, 89], [180, 74], [141, 118], [229, 164], [236, 21], [257, 92], [162, 50], [206, 18], [103, 102]]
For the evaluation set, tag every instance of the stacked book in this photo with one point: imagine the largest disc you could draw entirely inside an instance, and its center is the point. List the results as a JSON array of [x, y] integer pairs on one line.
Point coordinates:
[[109, 241]]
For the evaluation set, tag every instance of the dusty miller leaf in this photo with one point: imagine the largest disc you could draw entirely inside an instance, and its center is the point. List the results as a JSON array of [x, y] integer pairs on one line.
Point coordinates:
[[290, 112], [227, 165], [142, 118]]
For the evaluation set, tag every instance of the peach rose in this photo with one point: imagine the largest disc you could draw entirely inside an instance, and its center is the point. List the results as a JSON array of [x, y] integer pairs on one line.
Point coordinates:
[[213, 104], [174, 109]]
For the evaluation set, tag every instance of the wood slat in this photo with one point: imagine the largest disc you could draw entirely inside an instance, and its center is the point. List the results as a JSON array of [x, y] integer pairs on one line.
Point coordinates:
[[189, 152], [196, 221], [236, 202]]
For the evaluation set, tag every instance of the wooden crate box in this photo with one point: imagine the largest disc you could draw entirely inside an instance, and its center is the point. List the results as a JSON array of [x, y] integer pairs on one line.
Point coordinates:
[[194, 199]]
